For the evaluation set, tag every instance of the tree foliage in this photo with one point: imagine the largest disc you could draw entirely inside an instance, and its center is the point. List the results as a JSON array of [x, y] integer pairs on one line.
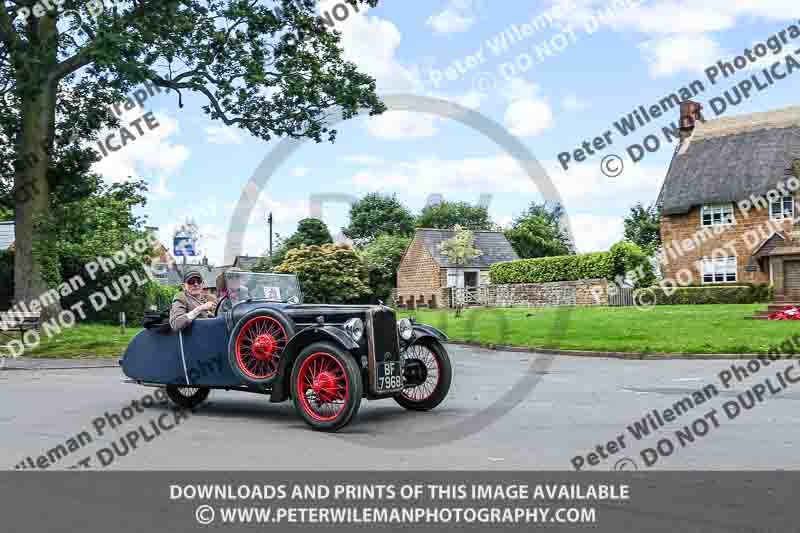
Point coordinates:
[[331, 273], [538, 232], [643, 227], [310, 232], [460, 248], [447, 215], [270, 72], [382, 258], [98, 226], [377, 214]]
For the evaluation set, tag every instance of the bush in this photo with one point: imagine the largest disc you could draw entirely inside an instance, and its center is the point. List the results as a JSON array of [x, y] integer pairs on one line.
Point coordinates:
[[328, 274], [559, 268], [625, 260], [707, 294]]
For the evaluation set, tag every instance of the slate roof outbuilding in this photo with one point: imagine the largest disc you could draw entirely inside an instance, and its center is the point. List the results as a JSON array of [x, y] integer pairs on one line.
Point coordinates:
[[493, 244]]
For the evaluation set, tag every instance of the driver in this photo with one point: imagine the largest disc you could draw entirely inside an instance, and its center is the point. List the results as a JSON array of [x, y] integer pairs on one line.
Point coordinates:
[[191, 303]]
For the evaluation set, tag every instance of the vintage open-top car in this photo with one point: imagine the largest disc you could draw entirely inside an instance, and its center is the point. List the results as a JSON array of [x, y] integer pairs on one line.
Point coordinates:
[[263, 339]]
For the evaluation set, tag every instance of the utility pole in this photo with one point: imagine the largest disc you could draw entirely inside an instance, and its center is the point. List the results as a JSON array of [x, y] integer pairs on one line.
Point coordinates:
[[269, 220]]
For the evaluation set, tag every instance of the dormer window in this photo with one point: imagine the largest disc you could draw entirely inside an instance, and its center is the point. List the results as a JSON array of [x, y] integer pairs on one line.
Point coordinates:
[[716, 215], [782, 207]]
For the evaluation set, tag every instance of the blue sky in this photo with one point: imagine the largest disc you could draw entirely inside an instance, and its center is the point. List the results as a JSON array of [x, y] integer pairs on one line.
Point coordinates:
[[640, 53]]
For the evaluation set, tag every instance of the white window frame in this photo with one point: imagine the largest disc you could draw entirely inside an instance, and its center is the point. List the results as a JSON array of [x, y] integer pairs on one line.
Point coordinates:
[[719, 267], [781, 203], [723, 211]]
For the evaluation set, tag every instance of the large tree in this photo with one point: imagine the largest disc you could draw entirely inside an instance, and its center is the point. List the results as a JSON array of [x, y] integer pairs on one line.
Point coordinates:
[[376, 214], [538, 232], [63, 64], [447, 215], [382, 258], [643, 227], [310, 232]]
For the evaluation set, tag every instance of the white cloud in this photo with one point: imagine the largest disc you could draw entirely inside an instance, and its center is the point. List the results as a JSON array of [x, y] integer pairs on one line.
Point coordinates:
[[584, 187], [527, 114], [575, 104], [669, 55], [398, 125], [595, 233], [222, 134], [152, 154], [299, 172], [458, 16], [362, 159], [371, 43], [526, 118]]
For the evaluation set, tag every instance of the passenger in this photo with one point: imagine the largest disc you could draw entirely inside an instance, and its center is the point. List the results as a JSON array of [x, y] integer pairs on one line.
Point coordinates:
[[191, 303]]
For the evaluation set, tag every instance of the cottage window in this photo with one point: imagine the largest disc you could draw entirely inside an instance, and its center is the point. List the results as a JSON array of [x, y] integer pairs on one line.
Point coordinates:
[[781, 207], [716, 214], [719, 270]]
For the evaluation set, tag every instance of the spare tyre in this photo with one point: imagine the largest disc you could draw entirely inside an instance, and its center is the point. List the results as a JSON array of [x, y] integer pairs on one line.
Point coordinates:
[[257, 343]]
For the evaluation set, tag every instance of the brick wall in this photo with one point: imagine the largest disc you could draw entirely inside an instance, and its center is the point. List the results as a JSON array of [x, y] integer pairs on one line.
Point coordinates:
[[419, 277], [747, 234]]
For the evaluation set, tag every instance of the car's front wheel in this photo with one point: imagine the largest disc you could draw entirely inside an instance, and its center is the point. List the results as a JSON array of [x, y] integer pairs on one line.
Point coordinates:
[[326, 386], [187, 397], [438, 373]]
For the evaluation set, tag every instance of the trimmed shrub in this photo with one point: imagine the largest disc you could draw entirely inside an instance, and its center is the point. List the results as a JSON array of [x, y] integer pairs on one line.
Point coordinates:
[[707, 294], [559, 268]]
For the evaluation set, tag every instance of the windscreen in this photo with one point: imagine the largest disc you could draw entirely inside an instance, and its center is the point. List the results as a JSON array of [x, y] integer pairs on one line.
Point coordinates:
[[242, 286]]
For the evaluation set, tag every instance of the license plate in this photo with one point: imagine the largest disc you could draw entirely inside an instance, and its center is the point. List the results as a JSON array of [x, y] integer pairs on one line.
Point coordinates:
[[390, 376]]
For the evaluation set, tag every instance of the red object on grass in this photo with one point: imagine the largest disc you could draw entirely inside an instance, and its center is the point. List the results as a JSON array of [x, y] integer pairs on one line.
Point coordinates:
[[790, 312]]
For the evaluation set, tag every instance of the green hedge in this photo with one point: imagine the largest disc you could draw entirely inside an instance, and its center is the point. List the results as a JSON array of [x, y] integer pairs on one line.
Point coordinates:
[[559, 268], [707, 294]]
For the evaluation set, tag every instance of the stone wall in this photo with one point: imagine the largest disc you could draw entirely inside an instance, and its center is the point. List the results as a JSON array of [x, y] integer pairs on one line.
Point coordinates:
[[562, 293]]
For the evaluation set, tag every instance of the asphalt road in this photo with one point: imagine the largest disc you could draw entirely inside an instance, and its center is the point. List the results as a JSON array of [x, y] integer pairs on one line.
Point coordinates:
[[576, 404]]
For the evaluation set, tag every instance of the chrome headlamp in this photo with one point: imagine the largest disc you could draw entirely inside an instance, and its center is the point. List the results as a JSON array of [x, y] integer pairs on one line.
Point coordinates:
[[355, 328], [405, 328]]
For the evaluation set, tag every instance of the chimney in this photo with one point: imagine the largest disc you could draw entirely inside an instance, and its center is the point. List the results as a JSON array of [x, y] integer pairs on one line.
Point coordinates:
[[691, 112], [205, 261]]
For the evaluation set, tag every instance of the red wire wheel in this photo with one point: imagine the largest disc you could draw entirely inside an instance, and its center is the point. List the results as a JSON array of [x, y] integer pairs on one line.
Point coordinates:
[[259, 346], [424, 390], [323, 387]]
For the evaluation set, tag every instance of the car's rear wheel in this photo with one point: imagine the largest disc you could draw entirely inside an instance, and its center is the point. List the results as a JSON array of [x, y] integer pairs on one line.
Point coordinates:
[[187, 397], [257, 344], [326, 386], [438, 376]]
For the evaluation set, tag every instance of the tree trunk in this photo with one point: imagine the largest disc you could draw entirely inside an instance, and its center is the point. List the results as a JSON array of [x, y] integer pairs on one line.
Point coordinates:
[[31, 193]]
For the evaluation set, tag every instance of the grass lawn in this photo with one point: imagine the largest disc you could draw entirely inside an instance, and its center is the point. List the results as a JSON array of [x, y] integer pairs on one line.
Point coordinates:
[[668, 328], [84, 340]]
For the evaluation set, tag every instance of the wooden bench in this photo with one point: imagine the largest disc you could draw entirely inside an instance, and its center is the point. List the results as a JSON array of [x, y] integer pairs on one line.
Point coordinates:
[[18, 321]]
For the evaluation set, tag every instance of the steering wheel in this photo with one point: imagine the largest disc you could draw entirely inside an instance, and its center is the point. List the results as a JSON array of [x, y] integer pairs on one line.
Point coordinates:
[[219, 305]]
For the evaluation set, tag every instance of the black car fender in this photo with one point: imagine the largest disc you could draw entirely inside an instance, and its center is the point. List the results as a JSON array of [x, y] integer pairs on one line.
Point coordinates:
[[311, 334], [423, 331]]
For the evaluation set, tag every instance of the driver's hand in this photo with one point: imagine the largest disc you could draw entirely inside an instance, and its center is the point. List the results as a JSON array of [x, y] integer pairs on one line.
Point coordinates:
[[208, 306]]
